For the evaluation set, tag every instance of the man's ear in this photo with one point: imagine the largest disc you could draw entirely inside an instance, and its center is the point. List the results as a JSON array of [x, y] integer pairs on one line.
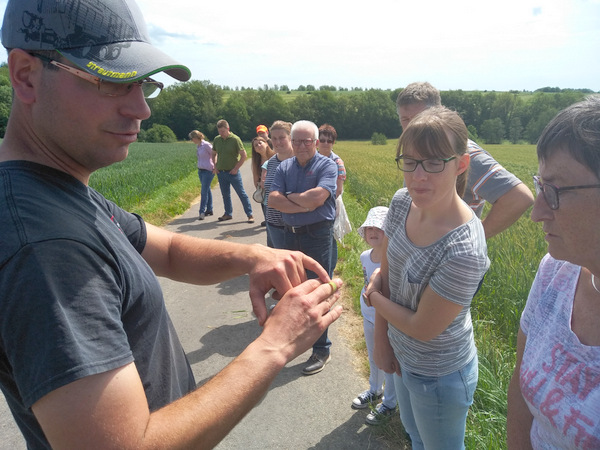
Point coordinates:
[[463, 163], [25, 73]]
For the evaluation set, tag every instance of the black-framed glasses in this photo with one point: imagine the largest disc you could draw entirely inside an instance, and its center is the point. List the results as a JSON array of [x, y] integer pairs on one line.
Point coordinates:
[[305, 142], [552, 192], [434, 165], [326, 141], [150, 88]]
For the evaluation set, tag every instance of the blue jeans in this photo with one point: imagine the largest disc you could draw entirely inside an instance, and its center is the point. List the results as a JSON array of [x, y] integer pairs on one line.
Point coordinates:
[[434, 410], [275, 236], [226, 181], [317, 245], [206, 203]]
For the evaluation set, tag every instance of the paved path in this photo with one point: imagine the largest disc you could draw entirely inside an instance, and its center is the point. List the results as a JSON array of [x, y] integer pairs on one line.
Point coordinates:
[[215, 323]]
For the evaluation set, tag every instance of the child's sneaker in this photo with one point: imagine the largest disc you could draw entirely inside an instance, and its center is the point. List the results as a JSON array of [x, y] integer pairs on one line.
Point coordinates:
[[364, 399], [380, 414]]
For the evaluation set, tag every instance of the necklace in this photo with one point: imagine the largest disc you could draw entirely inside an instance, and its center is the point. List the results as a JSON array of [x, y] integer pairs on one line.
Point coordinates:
[[594, 284]]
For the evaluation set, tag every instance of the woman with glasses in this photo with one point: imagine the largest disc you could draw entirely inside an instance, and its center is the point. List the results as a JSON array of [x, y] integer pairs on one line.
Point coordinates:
[[435, 260], [554, 394], [327, 138]]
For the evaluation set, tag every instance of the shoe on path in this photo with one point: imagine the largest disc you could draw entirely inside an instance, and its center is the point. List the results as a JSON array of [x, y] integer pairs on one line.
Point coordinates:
[[315, 363], [225, 217], [201, 216], [209, 213], [250, 219], [380, 415], [364, 399]]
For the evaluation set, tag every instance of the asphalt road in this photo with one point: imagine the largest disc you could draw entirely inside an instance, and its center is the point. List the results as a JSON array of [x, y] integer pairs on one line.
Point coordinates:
[[215, 323]]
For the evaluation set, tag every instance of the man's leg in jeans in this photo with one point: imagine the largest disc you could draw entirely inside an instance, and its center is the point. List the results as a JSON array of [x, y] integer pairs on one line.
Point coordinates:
[[224, 184], [317, 245], [238, 186]]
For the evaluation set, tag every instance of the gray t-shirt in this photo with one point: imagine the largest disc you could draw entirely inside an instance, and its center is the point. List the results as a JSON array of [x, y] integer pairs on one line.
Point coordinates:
[[454, 267], [77, 297], [488, 180]]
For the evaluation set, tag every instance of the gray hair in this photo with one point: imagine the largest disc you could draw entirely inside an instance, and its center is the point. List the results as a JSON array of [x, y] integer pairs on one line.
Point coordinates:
[[575, 129], [306, 125]]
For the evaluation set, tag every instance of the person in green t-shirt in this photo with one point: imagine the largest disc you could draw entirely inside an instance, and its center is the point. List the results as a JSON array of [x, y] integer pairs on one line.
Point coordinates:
[[229, 155]]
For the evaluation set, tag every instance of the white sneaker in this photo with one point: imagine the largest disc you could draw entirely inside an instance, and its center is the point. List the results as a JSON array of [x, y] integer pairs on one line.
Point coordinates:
[[380, 414]]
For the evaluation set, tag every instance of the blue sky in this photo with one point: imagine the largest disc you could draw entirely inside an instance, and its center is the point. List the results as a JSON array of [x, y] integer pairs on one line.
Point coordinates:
[[386, 44]]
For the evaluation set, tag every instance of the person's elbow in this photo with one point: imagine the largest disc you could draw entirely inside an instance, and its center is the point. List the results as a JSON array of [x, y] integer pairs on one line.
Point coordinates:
[[319, 197], [519, 197]]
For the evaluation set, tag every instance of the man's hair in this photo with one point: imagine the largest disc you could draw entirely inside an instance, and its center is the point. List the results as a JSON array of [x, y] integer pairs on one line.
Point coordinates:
[[328, 130], [437, 132], [281, 125], [575, 129], [223, 124], [419, 92], [306, 125]]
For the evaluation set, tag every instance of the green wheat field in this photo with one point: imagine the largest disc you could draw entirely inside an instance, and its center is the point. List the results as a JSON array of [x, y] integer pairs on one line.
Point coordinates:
[[159, 181]]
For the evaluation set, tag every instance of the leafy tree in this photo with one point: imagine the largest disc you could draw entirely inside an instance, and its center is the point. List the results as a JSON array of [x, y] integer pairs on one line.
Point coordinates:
[[492, 131], [378, 139], [5, 105], [534, 128], [472, 132], [235, 111], [160, 133], [184, 107], [515, 129]]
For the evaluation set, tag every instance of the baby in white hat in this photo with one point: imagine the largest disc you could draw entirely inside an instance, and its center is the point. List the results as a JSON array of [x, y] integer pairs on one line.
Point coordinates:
[[381, 384]]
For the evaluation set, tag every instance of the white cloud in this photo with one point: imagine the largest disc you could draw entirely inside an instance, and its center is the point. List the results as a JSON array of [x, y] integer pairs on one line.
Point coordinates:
[[463, 44]]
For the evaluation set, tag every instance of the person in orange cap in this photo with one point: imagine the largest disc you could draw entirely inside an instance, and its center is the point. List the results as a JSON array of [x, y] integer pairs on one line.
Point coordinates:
[[263, 131]]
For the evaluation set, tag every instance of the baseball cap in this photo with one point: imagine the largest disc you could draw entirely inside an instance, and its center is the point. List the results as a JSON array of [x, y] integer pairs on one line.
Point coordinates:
[[375, 218], [261, 128], [106, 38]]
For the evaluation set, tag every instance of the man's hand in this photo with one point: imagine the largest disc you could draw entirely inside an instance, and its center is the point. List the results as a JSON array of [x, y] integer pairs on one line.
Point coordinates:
[[301, 316], [280, 270]]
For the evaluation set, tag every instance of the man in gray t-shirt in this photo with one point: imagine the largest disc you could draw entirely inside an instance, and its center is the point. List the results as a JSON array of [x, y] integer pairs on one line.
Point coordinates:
[[488, 180]]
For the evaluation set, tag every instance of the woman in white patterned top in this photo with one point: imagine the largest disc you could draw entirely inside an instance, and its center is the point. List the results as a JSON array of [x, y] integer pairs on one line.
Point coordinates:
[[435, 261], [554, 393]]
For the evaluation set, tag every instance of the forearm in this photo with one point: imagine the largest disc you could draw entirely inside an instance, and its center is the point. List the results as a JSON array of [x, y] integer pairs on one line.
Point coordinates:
[[399, 316], [204, 417], [241, 161], [433, 315], [282, 203], [311, 199], [197, 261], [507, 210]]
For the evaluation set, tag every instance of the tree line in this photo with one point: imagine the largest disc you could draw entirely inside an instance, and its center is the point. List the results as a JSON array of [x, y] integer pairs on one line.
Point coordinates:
[[357, 114], [492, 117]]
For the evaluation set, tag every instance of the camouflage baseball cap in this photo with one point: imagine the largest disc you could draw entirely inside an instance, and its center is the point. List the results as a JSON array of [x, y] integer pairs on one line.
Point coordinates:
[[107, 38]]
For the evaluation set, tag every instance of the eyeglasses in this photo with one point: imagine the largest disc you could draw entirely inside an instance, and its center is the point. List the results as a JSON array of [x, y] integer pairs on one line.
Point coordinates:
[[150, 88], [551, 192], [326, 141], [305, 142], [429, 165]]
